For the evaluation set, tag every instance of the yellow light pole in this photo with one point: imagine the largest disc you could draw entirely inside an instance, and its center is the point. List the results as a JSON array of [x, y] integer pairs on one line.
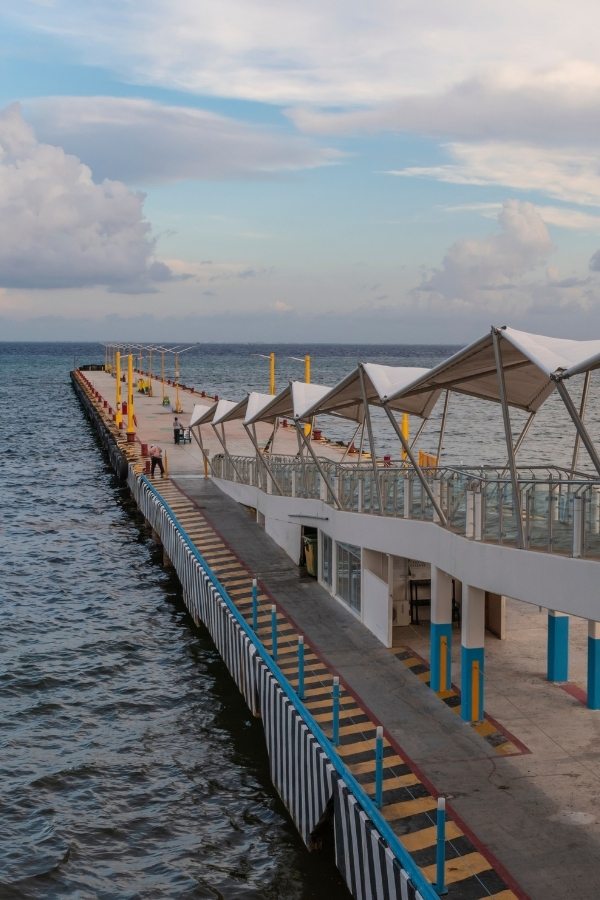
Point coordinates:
[[178, 408], [130, 422], [162, 374], [150, 372], [405, 430], [119, 412], [307, 427], [271, 373]]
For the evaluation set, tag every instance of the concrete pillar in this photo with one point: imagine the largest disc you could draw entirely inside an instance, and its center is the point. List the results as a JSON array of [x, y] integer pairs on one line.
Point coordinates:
[[593, 666], [558, 646], [472, 654], [441, 630]]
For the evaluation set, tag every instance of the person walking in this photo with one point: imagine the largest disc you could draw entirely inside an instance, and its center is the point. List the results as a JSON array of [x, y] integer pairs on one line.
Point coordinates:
[[156, 460], [177, 429]]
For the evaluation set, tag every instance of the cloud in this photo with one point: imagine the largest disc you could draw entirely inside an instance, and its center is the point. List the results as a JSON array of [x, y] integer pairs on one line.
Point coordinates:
[[473, 271], [313, 52], [559, 216], [567, 175], [140, 141], [59, 228]]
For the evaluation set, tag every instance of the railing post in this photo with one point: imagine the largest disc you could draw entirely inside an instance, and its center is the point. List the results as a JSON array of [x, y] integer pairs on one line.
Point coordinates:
[[274, 632], [336, 712], [478, 516], [361, 493], [470, 510], [595, 510], [293, 482], [408, 497], [301, 667], [323, 489], [254, 605], [436, 487], [379, 766], [440, 850], [577, 527]]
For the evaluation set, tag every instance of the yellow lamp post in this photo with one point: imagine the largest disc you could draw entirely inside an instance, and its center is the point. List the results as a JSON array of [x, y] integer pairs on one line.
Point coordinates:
[[162, 374], [271, 373], [405, 430], [130, 422], [119, 411]]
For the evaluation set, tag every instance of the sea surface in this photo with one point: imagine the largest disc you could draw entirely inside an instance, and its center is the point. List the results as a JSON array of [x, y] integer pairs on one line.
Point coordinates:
[[129, 764]]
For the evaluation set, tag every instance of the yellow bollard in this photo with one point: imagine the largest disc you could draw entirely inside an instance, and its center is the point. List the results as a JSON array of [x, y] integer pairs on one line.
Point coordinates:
[[443, 662], [271, 373], [119, 412], [130, 422]]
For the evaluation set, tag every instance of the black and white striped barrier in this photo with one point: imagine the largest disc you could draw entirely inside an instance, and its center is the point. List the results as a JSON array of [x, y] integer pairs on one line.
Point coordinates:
[[305, 768]]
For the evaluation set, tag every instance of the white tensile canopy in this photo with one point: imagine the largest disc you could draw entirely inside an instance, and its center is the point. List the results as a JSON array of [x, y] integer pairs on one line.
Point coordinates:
[[291, 402], [531, 364], [246, 408], [380, 383], [201, 414]]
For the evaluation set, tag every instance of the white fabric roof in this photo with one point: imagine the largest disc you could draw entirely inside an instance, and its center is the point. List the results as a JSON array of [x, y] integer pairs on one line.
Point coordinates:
[[381, 382], [528, 360], [251, 403], [292, 402], [199, 413], [223, 407]]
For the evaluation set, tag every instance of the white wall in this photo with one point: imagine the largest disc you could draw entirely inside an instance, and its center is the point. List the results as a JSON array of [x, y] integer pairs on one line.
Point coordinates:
[[551, 581]]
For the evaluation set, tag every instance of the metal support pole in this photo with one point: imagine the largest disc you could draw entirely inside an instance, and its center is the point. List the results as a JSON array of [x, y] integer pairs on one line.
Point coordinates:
[[442, 427], [263, 461], [274, 632], [416, 466], [371, 438], [335, 712], [440, 850], [254, 605], [271, 373], [207, 462], [225, 450], [345, 454], [321, 471], [130, 413], [379, 766], [301, 667], [582, 406], [581, 429], [508, 436]]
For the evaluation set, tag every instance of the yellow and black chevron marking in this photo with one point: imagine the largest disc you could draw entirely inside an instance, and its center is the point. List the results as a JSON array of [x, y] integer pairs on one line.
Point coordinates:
[[408, 805], [489, 729]]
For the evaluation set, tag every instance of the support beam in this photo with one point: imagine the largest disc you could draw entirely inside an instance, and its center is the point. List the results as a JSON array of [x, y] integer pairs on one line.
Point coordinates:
[[581, 429], [508, 436], [442, 427], [371, 438], [223, 444], [593, 666], [205, 455], [416, 466], [263, 461], [582, 407], [472, 654], [300, 431], [558, 646], [441, 630]]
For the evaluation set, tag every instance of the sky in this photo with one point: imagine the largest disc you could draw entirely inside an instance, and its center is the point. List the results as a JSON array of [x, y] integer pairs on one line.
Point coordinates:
[[240, 170]]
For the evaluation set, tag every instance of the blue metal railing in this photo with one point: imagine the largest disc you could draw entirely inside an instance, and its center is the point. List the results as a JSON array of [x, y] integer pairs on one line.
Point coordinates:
[[402, 855]]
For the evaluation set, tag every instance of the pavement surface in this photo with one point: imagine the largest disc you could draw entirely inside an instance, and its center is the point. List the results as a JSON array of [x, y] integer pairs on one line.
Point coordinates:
[[536, 812]]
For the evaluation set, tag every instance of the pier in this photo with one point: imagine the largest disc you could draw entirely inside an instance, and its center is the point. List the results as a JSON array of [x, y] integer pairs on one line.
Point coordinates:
[[508, 797]]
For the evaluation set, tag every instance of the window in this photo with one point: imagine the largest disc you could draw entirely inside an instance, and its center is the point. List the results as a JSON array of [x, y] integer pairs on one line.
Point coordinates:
[[348, 575], [327, 558]]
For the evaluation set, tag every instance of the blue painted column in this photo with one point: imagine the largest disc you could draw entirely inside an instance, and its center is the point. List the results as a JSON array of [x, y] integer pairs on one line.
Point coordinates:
[[593, 667], [441, 630], [558, 646], [472, 655]]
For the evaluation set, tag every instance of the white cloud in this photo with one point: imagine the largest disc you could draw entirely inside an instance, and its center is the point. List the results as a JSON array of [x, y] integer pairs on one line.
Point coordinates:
[[492, 270], [141, 141], [319, 53], [559, 216], [60, 229], [567, 175]]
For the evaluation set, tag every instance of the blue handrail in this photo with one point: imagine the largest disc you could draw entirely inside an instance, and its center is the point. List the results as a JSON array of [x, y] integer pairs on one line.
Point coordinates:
[[418, 879]]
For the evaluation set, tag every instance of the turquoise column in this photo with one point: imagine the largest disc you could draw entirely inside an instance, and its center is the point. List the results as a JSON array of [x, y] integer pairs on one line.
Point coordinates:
[[440, 635], [472, 682], [593, 666], [558, 646]]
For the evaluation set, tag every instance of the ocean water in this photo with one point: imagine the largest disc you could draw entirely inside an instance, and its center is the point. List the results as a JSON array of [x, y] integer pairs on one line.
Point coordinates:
[[129, 764]]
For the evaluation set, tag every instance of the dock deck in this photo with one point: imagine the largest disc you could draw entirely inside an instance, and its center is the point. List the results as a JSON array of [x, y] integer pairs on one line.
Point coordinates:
[[531, 814]]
